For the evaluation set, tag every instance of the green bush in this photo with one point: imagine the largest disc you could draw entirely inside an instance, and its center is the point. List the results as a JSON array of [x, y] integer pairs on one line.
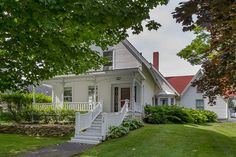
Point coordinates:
[[47, 115], [198, 116], [211, 116], [124, 128], [166, 114], [5, 117], [117, 131], [132, 124], [17, 102], [179, 115]]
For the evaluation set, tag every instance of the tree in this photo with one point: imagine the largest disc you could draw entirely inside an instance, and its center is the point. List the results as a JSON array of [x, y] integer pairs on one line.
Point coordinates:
[[214, 48], [43, 38]]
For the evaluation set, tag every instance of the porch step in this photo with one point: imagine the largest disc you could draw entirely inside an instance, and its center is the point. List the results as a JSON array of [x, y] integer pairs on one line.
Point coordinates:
[[96, 124], [92, 135], [88, 137], [85, 141]]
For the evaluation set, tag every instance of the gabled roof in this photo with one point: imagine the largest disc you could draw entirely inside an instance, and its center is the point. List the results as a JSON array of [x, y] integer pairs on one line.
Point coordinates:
[[157, 76], [179, 82]]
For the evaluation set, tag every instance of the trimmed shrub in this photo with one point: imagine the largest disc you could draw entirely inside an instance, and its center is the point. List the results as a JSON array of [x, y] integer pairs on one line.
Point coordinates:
[[132, 124], [48, 115], [198, 116], [117, 131], [166, 114], [179, 115], [211, 116]]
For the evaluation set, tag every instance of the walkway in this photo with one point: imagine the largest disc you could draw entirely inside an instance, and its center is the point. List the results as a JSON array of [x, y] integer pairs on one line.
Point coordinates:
[[62, 150]]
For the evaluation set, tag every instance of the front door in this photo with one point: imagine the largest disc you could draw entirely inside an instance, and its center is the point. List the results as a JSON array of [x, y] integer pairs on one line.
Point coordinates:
[[121, 93]]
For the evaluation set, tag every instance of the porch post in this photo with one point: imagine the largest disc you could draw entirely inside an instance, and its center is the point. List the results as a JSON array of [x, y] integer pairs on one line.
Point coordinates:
[[95, 92], [132, 101], [141, 96], [169, 101], [62, 94]]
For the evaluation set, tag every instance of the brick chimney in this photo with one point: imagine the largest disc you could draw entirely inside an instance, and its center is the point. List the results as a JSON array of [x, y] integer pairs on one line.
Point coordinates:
[[156, 60]]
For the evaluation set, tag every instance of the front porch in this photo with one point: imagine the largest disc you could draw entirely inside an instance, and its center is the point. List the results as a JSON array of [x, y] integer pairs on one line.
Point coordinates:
[[110, 88]]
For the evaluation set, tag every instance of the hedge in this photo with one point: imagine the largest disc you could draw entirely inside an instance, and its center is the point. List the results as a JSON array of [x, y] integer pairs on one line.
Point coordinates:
[[18, 102], [176, 114], [31, 115]]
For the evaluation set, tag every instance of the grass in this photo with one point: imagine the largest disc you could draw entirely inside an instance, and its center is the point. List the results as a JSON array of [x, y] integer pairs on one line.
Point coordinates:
[[170, 140], [12, 144]]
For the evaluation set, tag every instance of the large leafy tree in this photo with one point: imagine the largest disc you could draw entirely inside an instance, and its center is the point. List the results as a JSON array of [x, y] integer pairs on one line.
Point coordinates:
[[43, 38], [214, 23]]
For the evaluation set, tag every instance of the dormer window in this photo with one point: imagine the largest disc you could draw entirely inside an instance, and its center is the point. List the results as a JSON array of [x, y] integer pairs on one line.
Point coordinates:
[[109, 56]]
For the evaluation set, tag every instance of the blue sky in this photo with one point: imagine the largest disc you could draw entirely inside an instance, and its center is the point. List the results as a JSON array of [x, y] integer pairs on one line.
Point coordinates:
[[168, 40]]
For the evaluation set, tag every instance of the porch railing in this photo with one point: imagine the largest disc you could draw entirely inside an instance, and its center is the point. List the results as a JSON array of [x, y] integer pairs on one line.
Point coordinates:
[[84, 121], [77, 106], [80, 106], [113, 119]]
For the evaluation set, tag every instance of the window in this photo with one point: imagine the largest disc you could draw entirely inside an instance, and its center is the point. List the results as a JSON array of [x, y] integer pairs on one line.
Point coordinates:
[[109, 56], [163, 101], [172, 101], [92, 96], [200, 104], [135, 93], [67, 94]]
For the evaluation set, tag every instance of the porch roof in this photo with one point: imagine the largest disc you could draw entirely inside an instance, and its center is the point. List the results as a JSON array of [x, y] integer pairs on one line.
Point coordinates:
[[94, 74]]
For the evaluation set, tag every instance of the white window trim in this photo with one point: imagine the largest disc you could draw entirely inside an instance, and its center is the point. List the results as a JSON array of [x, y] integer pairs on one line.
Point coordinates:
[[67, 96]]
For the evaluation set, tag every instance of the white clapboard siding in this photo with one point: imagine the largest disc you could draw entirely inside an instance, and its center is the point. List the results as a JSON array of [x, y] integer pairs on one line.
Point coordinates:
[[123, 59]]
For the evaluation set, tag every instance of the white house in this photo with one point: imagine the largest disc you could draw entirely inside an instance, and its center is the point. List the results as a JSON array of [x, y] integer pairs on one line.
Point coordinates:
[[191, 97], [121, 87], [128, 83], [129, 76]]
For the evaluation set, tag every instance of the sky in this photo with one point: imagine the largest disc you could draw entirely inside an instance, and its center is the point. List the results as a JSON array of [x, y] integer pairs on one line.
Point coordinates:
[[167, 40]]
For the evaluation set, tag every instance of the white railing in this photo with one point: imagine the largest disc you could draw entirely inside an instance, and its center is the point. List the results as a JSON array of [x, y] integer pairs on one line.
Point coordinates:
[[77, 106], [113, 119], [80, 106], [84, 121], [46, 105]]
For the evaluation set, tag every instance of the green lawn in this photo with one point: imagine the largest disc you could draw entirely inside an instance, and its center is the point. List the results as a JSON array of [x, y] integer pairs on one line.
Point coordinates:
[[212, 140], [11, 144]]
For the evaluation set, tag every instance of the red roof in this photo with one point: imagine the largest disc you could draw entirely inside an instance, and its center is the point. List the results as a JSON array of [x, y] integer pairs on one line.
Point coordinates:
[[179, 82]]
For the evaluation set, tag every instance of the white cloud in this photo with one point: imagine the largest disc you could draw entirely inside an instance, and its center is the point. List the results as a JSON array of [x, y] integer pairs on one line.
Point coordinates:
[[168, 40]]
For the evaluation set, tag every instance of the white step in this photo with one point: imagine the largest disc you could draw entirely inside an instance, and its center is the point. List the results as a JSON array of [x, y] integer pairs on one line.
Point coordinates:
[[96, 125], [75, 140], [94, 129], [90, 134], [93, 132], [97, 120], [88, 137]]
